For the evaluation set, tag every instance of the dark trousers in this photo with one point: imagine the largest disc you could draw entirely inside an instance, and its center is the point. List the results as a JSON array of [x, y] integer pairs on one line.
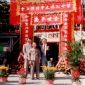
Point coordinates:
[[34, 66]]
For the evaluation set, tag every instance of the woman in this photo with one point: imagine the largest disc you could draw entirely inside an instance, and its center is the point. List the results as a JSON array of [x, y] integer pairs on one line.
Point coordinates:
[[34, 55]]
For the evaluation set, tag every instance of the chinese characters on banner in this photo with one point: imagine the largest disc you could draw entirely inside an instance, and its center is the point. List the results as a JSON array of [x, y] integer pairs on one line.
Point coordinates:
[[47, 14], [65, 32], [46, 19], [26, 30], [47, 7]]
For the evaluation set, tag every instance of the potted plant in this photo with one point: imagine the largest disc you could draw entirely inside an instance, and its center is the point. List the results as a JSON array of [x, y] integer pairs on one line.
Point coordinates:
[[74, 54], [22, 76], [3, 73], [49, 74]]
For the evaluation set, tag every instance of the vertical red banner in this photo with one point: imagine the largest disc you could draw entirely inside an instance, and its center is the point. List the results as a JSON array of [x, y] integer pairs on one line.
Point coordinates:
[[65, 32], [26, 28], [79, 12], [14, 18]]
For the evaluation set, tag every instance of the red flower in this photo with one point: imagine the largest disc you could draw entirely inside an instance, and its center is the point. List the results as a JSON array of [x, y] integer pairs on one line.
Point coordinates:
[[21, 71]]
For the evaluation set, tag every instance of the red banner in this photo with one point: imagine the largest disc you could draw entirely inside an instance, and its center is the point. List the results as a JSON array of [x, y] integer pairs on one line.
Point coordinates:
[[43, 1], [46, 19], [26, 31], [79, 12], [47, 7], [65, 32], [14, 18]]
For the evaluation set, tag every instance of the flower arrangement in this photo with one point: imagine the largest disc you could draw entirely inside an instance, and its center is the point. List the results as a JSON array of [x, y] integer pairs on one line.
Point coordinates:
[[22, 73], [60, 67], [49, 72], [74, 54], [3, 71]]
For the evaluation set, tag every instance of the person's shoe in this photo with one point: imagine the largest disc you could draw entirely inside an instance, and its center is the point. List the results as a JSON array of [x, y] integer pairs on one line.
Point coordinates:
[[37, 78], [32, 78]]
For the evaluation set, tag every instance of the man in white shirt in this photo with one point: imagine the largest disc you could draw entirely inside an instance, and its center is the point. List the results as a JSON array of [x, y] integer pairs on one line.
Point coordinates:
[[26, 48]]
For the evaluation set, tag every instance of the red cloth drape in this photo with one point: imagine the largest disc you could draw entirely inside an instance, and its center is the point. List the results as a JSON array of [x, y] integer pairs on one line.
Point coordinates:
[[14, 18], [79, 12]]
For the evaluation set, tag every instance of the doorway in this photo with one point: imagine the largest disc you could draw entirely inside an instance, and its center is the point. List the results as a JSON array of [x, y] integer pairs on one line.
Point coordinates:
[[54, 51]]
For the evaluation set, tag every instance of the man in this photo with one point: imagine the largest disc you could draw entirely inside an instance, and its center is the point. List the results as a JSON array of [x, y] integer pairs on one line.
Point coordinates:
[[35, 57], [45, 52], [26, 48]]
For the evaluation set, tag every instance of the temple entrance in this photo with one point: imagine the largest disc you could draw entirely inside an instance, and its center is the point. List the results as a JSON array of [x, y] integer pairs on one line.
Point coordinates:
[[51, 33], [53, 49]]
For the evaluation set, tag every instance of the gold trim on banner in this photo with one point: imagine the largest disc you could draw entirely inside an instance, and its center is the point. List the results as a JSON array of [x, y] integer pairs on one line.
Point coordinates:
[[21, 2], [41, 1], [20, 26], [18, 10], [18, 7], [54, 12], [74, 6], [32, 26], [72, 26], [46, 24]]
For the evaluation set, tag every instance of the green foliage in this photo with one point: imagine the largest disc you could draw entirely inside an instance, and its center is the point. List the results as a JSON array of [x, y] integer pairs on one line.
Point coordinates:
[[3, 73], [74, 53], [49, 72], [49, 75], [75, 79], [23, 75]]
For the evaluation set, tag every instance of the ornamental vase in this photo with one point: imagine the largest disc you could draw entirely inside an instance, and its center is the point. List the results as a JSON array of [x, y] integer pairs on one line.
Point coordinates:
[[3, 79], [75, 74], [22, 80], [49, 82]]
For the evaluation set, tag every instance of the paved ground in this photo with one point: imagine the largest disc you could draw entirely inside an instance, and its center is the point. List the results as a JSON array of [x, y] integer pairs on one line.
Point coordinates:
[[61, 79]]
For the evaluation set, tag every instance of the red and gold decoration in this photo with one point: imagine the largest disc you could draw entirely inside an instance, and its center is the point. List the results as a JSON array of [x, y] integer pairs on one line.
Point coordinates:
[[26, 31], [53, 7], [44, 12], [44, 19], [42, 1], [79, 12], [65, 32]]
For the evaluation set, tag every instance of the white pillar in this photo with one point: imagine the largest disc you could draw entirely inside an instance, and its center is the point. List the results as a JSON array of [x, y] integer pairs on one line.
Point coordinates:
[[81, 35], [34, 27]]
